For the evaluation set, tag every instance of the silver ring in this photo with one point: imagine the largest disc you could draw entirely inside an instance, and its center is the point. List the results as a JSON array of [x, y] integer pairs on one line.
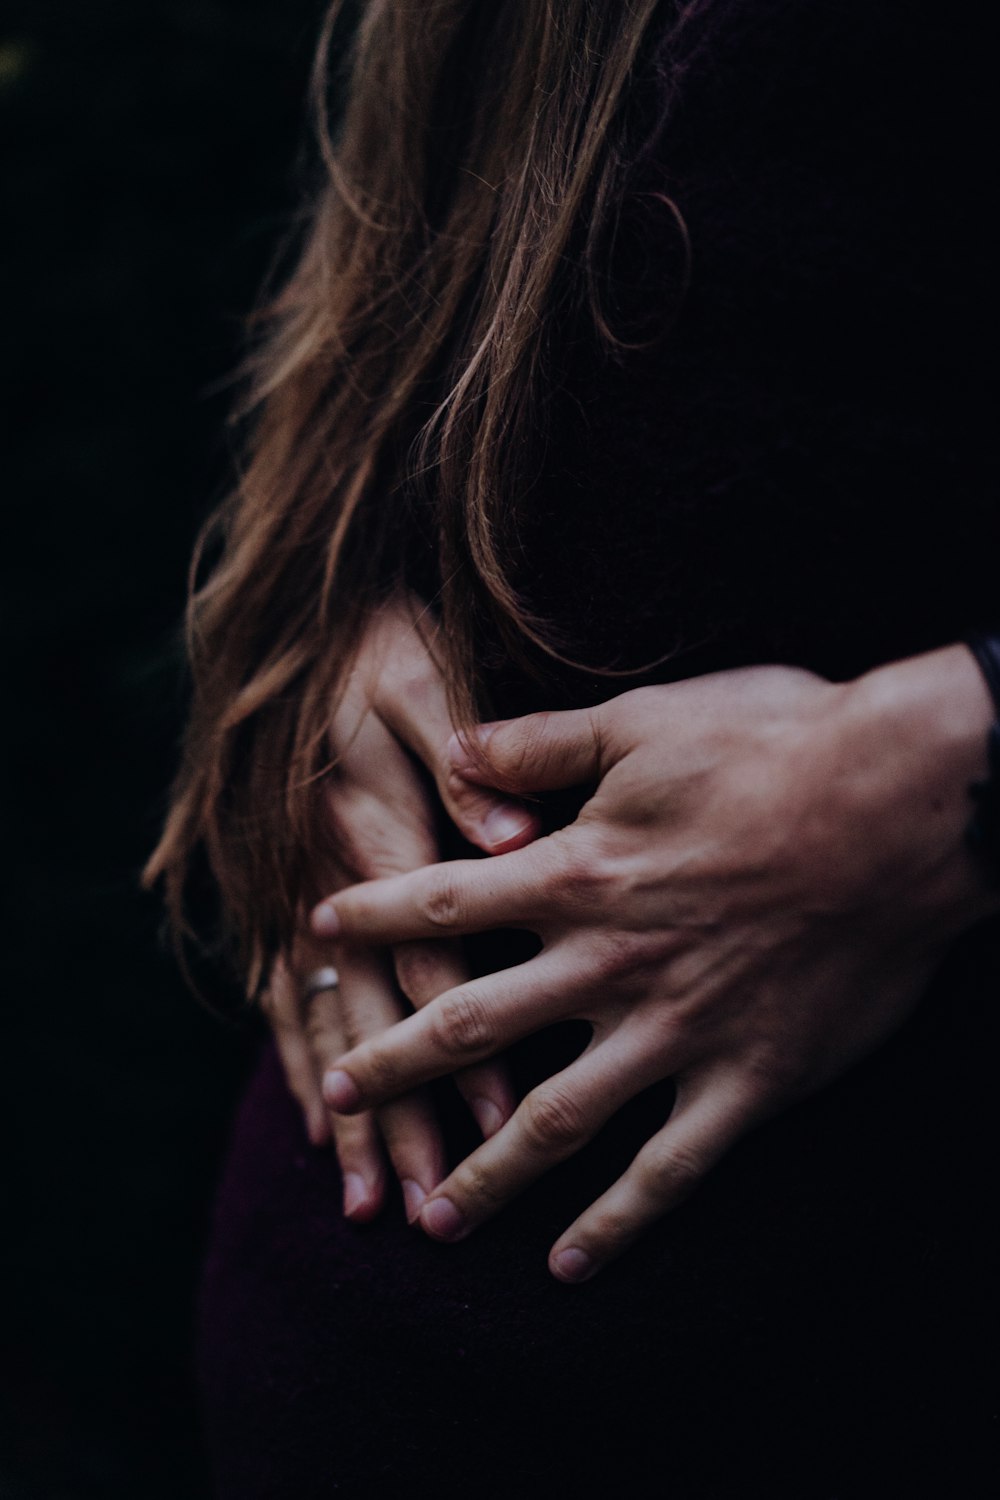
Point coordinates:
[[320, 979]]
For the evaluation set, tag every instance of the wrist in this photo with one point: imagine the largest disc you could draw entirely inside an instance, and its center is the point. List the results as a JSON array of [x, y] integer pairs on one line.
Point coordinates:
[[919, 729], [937, 707]]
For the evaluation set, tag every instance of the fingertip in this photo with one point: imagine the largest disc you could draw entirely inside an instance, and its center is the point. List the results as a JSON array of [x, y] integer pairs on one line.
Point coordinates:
[[442, 1220], [494, 823], [488, 1115], [463, 744], [572, 1265], [324, 920], [413, 1199], [508, 827], [340, 1091], [362, 1200]]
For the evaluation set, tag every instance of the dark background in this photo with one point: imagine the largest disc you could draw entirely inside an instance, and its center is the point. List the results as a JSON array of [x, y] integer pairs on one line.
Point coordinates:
[[151, 165], [152, 158]]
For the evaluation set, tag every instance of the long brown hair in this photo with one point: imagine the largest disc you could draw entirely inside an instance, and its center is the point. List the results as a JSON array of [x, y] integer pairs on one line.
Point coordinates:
[[397, 391]]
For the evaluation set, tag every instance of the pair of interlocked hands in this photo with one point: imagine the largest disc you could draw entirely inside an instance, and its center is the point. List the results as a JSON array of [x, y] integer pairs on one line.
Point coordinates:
[[756, 893]]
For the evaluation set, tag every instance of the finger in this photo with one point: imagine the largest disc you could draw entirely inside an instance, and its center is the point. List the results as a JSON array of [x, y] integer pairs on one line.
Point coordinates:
[[410, 696], [281, 1005], [383, 812], [553, 1122], [540, 752], [456, 897], [367, 1006], [702, 1128], [426, 970], [380, 808], [413, 1142], [460, 1028], [362, 1167]]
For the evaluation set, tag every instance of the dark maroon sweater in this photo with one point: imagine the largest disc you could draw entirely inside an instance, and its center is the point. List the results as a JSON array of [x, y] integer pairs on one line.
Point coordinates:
[[802, 470]]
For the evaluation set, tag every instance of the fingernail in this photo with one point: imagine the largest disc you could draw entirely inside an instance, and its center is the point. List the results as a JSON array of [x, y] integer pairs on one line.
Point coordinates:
[[355, 1193], [458, 751], [488, 1116], [413, 1198], [503, 824], [442, 1219], [458, 745], [573, 1265], [340, 1091], [324, 920]]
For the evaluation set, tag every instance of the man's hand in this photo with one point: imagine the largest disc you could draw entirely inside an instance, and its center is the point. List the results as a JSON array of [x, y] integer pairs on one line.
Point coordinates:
[[753, 897]]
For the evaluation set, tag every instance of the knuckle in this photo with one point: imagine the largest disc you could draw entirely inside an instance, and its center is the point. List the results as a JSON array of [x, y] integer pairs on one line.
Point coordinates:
[[527, 748], [463, 1024], [587, 877], [580, 879], [777, 1068], [620, 955], [670, 1175], [609, 1229], [553, 1119], [407, 671], [456, 787], [442, 903], [477, 1188], [516, 751], [380, 1071]]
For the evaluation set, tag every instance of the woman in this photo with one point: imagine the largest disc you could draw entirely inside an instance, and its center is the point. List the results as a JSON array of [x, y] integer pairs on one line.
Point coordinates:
[[625, 338]]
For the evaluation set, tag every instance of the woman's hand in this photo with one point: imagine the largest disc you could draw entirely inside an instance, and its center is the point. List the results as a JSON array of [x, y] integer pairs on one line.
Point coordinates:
[[753, 897], [383, 820]]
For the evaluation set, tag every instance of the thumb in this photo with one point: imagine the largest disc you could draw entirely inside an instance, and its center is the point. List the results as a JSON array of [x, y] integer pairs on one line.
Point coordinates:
[[539, 753], [487, 820], [411, 701]]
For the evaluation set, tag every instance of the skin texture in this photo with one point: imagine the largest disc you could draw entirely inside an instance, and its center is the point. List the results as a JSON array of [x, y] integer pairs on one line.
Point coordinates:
[[389, 738], [756, 894]]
